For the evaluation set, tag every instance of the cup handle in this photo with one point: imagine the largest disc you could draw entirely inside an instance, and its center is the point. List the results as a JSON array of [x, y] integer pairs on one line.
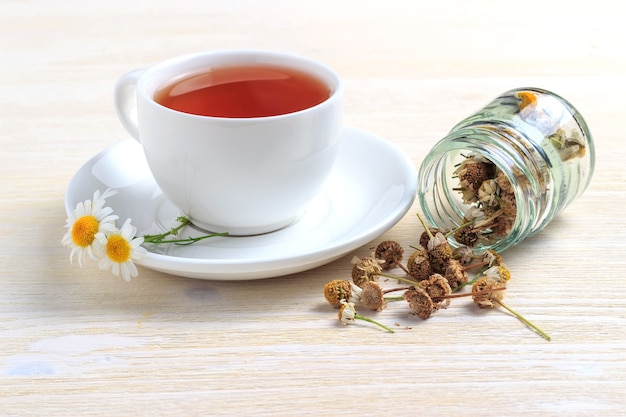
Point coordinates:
[[126, 101]]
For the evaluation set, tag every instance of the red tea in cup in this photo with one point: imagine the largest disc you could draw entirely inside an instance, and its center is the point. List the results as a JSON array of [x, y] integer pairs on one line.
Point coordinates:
[[256, 165], [244, 92]]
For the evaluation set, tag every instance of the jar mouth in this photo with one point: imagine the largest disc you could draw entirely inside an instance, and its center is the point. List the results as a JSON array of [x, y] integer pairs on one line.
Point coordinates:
[[444, 204], [539, 144]]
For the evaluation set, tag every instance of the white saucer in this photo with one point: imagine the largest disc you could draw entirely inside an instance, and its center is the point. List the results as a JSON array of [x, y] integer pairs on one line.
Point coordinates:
[[371, 188]]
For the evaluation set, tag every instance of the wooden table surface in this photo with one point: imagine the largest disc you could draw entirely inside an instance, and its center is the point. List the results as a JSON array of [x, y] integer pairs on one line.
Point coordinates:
[[83, 342]]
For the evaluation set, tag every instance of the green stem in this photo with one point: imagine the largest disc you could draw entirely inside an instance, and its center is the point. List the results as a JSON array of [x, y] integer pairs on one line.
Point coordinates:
[[189, 240], [183, 221], [427, 229], [453, 231], [360, 317], [468, 294], [394, 298], [523, 320]]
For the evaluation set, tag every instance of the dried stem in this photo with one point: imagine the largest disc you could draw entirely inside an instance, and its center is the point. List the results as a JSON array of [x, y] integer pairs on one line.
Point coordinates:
[[401, 279], [395, 289], [467, 294], [523, 320]]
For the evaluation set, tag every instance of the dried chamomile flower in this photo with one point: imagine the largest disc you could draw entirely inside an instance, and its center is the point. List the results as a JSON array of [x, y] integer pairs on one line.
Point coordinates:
[[568, 147], [427, 235], [439, 252], [467, 236], [347, 312], [419, 302], [348, 315], [337, 291], [455, 274], [490, 197], [491, 257], [418, 265], [473, 171], [499, 273], [526, 98], [508, 205], [463, 254], [438, 248], [366, 269], [389, 251], [372, 296], [502, 225], [503, 182], [438, 289], [488, 193], [486, 292]]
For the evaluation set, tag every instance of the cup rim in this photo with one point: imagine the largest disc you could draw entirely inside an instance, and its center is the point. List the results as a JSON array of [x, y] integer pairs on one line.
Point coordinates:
[[152, 78]]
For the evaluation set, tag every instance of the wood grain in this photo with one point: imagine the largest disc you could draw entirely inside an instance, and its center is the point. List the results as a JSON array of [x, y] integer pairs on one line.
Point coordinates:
[[82, 342]]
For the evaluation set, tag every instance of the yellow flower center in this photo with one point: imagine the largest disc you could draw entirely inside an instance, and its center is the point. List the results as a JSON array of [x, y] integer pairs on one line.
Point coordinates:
[[118, 249], [528, 99], [84, 231]]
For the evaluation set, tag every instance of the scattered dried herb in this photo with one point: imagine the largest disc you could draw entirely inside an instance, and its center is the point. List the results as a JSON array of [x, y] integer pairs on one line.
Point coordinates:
[[435, 274]]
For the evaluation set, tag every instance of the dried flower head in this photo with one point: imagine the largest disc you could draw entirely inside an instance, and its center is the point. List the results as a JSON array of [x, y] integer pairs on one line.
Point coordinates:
[[467, 236], [502, 225], [488, 192], [508, 204], [366, 269], [473, 171], [491, 257], [425, 236], [418, 265], [503, 182], [336, 291], [389, 251], [439, 252], [500, 273], [526, 98], [419, 302], [437, 287], [347, 313], [568, 147], [463, 254], [372, 296], [486, 292], [490, 198], [455, 274]]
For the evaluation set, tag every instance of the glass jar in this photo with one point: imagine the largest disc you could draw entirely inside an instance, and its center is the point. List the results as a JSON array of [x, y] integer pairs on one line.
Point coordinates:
[[502, 174]]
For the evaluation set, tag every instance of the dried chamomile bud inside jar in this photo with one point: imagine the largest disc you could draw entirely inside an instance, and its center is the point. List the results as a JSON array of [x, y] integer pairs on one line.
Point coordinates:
[[503, 173]]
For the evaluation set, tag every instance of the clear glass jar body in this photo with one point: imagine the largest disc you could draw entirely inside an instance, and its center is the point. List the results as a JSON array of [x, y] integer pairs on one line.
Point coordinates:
[[536, 139]]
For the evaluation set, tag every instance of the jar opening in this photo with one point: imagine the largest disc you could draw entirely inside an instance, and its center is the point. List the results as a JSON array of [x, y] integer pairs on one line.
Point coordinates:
[[505, 171]]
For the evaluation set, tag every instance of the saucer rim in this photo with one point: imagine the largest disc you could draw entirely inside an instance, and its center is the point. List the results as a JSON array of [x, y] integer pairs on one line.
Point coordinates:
[[268, 267]]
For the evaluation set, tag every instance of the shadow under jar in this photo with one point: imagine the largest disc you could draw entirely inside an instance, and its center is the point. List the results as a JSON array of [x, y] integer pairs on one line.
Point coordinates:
[[503, 173]]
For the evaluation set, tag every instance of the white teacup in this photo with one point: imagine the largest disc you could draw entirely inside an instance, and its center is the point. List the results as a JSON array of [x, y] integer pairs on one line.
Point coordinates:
[[241, 173]]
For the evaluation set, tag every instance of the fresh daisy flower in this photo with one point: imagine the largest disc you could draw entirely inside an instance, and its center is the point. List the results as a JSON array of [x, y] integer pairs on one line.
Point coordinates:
[[119, 250], [89, 222]]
